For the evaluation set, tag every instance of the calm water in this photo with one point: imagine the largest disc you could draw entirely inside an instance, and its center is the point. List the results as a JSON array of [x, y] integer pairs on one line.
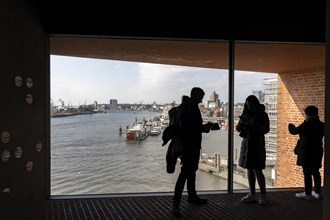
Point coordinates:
[[88, 156]]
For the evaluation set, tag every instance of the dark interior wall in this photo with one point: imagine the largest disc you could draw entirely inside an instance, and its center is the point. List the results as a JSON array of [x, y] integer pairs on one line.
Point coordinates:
[[24, 52], [326, 193], [231, 20]]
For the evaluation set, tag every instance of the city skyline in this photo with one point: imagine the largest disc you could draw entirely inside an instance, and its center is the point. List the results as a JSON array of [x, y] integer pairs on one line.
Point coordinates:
[[83, 80]]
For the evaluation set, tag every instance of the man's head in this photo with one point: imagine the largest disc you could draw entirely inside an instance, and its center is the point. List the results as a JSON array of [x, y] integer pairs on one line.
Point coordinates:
[[311, 110], [196, 95]]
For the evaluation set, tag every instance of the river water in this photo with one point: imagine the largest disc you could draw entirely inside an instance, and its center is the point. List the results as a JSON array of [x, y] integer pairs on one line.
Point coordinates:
[[88, 156]]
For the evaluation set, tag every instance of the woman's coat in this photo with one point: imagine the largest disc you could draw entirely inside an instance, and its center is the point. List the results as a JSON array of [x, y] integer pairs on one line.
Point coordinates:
[[253, 151]]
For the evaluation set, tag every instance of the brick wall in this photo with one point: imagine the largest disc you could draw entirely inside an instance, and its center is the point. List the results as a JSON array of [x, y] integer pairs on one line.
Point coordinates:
[[296, 90]]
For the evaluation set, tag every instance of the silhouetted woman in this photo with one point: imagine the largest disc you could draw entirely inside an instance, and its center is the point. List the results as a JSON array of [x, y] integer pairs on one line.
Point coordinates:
[[253, 125]]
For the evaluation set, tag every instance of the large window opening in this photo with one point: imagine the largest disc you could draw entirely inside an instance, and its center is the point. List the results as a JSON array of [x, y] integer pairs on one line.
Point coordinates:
[[286, 78], [104, 107], [264, 87], [103, 116]]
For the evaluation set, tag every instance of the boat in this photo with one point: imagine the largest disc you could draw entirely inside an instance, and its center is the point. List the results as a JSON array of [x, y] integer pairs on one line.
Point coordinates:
[[155, 131], [137, 133]]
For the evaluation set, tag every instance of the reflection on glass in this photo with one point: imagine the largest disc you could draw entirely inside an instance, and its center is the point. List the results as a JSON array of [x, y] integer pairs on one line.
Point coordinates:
[[5, 155], [5, 137], [29, 166], [18, 81], [6, 190], [18, 152], [29, 82], [39, 146], [29, 99]]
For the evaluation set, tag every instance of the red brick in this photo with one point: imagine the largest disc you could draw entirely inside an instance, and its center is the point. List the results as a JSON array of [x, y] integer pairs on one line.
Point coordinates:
[[296, 90]]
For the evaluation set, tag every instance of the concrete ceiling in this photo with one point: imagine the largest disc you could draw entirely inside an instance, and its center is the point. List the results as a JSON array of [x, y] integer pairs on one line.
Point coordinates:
[[259, 57]]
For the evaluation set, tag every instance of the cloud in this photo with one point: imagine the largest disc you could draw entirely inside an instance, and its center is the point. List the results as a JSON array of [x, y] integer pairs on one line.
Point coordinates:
[[247, 81], [79, 79], [157, 74], [162, 83]]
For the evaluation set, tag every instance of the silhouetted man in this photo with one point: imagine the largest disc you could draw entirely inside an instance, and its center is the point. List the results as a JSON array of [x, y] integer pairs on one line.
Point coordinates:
[[191, 126]]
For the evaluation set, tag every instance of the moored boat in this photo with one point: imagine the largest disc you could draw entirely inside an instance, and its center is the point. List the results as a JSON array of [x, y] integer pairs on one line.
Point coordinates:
[[137, 133], [155, 131]]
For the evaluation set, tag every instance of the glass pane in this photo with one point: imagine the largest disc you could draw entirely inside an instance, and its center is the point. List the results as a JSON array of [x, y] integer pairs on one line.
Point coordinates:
[[264, 87], [103, 112], [286, 78]]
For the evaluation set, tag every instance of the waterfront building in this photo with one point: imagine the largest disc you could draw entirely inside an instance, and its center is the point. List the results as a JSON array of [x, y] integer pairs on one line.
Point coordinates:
[[113, 103], [214, 100], [214, 97], [260, 95], [270, 101]]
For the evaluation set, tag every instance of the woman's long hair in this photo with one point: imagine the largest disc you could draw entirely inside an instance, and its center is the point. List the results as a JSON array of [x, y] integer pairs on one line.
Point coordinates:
[[252, 99]]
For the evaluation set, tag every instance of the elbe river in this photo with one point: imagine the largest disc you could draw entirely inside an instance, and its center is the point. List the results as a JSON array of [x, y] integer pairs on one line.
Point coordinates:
[[89, 156]]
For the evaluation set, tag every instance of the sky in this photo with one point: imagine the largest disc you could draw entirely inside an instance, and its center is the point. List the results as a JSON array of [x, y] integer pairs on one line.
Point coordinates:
[[78, 81]]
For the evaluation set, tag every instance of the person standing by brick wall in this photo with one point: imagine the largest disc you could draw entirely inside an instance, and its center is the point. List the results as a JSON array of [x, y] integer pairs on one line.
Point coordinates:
[[309, 150]]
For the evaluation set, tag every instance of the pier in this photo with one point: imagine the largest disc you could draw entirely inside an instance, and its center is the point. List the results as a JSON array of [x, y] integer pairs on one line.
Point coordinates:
[[66, 114], [218, 166]]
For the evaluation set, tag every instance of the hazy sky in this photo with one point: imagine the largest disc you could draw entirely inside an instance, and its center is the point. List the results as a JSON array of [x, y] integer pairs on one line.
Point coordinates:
[[79, 80]]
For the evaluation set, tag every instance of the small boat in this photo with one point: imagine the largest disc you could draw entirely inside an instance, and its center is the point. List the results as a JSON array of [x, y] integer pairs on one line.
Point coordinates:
[[155, 131], [136, 133]]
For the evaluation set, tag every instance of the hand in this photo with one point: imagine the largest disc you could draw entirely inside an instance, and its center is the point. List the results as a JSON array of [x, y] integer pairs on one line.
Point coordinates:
[[215, 126], [243, 117], [207, 127], [291, 126]]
